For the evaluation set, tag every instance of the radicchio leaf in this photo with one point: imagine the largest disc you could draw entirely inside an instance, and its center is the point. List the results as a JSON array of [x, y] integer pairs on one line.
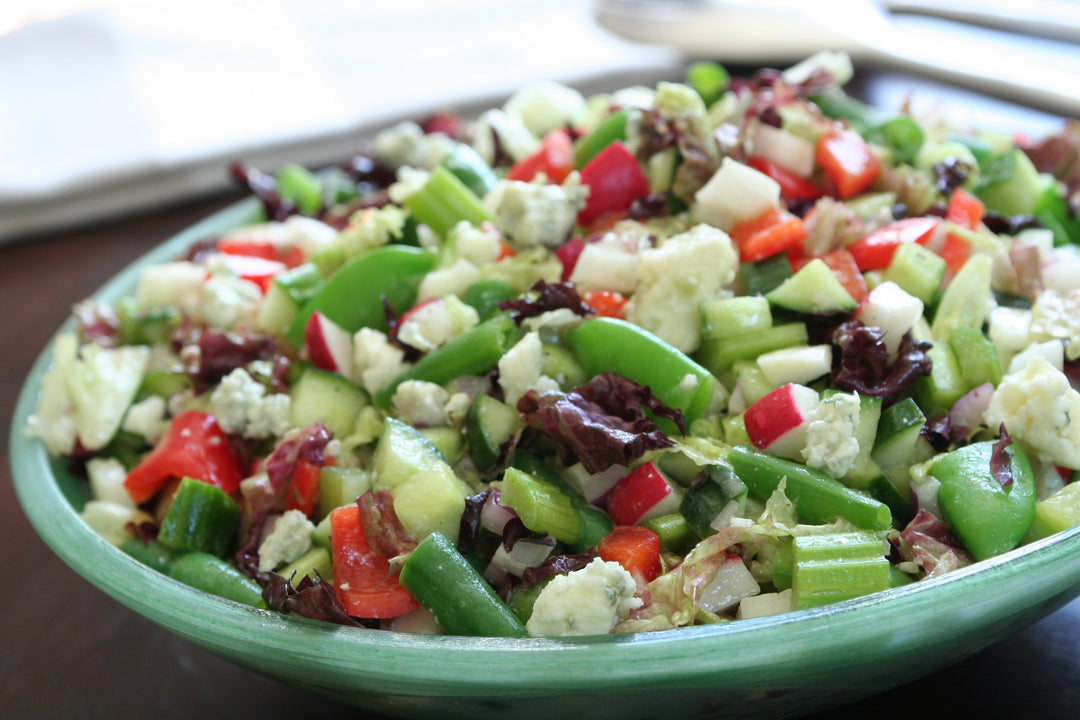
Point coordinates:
[[601, 423], [266, 499], [558, 565], [265, 188], [312, 598], [382, 528], [97, 323], [928, 542], [469, 527], [1001, 459], [864, 362], [211, 355], [549, 296]]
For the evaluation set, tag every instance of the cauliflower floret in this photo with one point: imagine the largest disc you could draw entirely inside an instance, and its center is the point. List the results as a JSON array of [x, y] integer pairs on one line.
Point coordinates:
[[435, 323], [407, 144], [421, 403], [676, 277], [376, 362], [537, 213], [1057, 316], [241, 405], [589, 601], [478, 245], [371, 228], [289, 539], [1038, 406], [831, 443], [522, 369]]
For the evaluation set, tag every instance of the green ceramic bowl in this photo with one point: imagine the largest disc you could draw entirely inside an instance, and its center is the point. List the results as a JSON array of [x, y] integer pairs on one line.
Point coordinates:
[[758, 668]]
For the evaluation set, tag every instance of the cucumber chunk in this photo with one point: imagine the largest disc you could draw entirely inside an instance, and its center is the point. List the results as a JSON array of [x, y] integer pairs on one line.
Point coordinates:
[[328, 398], [814, 290], [428, 496]]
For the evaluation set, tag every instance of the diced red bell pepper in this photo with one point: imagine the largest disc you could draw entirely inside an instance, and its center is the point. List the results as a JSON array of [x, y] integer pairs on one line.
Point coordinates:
[[875, 251], [568, 254], [555, 159], [771, 233], [363, 581], [615, 179], [634, 547], [304, 487], [793, 187], [291, 255], [965, 209], [505, 251], [255, 269], [606, 303], [955, 252], [844, 267], [195, 446], [847, 161]]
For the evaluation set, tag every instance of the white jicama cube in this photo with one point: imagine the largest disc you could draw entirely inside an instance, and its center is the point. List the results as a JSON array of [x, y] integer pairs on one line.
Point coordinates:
[[784, 148], [735, 193], [730, 586], [1052, 351], [594, 487], [777, 423], [796, 364], [606, 266], [765, 604], [893, 310]]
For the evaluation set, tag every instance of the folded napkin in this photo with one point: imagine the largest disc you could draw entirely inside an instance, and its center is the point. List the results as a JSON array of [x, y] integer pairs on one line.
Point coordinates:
[[113, 110]]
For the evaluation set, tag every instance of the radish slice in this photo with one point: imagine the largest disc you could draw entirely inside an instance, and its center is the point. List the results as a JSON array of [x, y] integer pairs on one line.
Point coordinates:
[[329, 346], [777, 422]]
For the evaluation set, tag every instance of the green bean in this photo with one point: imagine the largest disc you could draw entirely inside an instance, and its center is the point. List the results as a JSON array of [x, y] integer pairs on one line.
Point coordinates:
[[444, 582], [608, 344], [353, 298], [818, 497], [473, 353]]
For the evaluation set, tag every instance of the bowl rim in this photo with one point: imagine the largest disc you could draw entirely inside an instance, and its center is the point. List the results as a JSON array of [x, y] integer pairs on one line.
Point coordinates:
[[389, 662]]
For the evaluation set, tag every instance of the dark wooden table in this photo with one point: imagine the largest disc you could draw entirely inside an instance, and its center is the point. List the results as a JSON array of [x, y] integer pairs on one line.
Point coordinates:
[[69, 651]]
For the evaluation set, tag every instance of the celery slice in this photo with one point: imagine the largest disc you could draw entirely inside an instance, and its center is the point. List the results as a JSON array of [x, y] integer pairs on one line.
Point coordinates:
[[541, 507], [841, 566]]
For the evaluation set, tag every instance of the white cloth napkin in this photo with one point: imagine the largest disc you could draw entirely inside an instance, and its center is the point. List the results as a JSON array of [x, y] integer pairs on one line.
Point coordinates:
[[113, 110]]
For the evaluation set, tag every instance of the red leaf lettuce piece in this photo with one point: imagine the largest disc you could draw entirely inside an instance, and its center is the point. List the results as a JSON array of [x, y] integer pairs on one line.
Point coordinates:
[[601, 423], [557, 565], [928, 542], [547, 297], [864, 362], [312, 598], [382, 528], [1001, 459], [266, 499]]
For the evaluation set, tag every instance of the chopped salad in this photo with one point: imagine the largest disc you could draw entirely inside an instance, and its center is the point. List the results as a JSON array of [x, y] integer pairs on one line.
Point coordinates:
[[668, 356]]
